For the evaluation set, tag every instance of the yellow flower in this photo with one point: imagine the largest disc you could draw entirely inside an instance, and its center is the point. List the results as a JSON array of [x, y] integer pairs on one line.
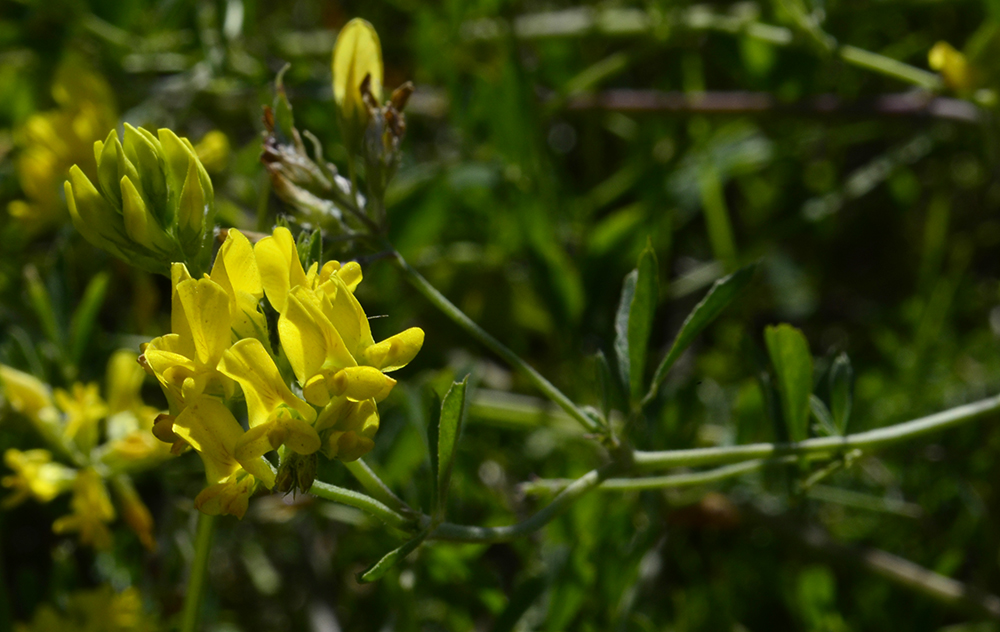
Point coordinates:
[[235, 269], [953, 66], [92, 511], [52, 141], [28, 395], [130, 443], [210, 428], [277, 417], [213, 151], [89, 610], [134, 511], [356, 55], [325, 335], [35, 476], [84, 409], [185, 361]]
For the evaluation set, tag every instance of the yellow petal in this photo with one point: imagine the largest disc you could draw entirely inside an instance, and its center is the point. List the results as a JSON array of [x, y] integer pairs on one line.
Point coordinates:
[[310, 341], [235, 267], [205, 306], [250, 451], [248, 363], [347, 315], [27, 394], [230, 497], [361, 382], [124, 381], [356, 54], [212, 431], [279, 265], [394, 352]]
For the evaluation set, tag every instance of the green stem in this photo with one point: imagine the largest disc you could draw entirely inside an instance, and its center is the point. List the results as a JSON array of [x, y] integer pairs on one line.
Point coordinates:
[[458, 316], [377, 487], [890, 67], [821, 446], [363, 502], [659, 482], [576, 489], [199, 574]]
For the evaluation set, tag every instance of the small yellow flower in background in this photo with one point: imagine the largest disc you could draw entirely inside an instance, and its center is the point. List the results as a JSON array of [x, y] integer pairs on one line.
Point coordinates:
[[101, 609], [91, 511], [53, 141], [213, 151], [83, 408], [102, 440], [953, 66], [35, 475], [28, 395], [356, 55]]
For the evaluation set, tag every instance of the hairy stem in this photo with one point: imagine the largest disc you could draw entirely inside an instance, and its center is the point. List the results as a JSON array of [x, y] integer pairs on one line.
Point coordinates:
[[363, 502], [376, 486]]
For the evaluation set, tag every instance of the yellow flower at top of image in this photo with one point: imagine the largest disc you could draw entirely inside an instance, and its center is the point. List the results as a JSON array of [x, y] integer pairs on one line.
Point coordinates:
[[356, 55], [50, 142]]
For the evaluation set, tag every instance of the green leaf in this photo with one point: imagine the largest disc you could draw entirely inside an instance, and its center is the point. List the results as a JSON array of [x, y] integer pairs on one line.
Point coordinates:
[[823, 417], [42, 304], [793, 366], [621, 329], [640, 318], [718, 298], [393, 557], [82, 322], [449, 429], [841, 391]]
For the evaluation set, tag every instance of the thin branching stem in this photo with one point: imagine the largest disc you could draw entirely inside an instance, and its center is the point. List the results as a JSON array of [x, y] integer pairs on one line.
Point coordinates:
[[821, 446], [458, 317], [363, 502]]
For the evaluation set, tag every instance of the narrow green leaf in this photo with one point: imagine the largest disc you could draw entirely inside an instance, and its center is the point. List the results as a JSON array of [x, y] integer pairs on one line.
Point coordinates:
[[42, 304], [823, 417], [841, 391], [393, 557], [82, 322], [449, 429], [640, 318], [793, 366], [622, 355], [718, 298]]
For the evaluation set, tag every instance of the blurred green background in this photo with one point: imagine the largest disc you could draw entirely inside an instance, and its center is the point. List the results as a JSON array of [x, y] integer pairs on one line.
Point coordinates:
[[546, 143]]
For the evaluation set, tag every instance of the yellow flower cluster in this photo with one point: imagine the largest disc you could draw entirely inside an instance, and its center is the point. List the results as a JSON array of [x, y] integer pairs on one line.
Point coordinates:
[[101, 609], [97, 441], [220, 347], [52, 141]]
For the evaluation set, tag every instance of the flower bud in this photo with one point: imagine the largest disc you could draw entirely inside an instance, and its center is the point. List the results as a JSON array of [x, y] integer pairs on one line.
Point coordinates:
[[154, 203], [356, 55]]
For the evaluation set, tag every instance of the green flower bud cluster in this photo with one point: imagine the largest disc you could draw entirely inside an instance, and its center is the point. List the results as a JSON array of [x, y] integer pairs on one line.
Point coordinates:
[[153, 203]]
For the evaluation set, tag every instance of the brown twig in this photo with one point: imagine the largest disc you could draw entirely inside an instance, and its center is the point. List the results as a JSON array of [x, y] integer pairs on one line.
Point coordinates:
[[906, 104]]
